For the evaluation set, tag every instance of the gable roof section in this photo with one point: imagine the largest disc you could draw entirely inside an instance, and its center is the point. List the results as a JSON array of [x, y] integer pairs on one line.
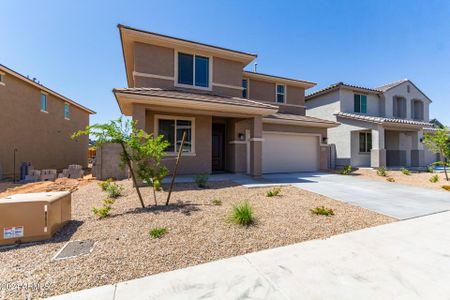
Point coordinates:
[[389, 86], [272, 78], [44, 88], [381, 120], [337, 86], [129, 35]]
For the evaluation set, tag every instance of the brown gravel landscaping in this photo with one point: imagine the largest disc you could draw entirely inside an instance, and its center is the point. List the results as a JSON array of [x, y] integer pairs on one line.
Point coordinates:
[[197, 232], [419, 179]]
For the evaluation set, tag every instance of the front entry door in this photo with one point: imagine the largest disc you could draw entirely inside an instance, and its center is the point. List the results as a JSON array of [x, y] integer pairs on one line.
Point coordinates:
[[218, 147]]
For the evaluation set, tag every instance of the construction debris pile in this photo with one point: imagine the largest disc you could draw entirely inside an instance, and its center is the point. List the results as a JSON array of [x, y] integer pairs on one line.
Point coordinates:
[[29, 174]]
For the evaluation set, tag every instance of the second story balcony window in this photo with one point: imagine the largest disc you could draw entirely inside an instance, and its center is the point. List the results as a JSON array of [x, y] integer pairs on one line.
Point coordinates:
[[360, 105], [193, 70]]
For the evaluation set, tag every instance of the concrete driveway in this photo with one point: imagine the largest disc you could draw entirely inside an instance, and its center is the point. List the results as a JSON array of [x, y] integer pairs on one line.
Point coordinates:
[[391, 199], [402, 260]]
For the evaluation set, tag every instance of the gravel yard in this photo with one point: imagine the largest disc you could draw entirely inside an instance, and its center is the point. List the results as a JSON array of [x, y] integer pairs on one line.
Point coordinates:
[[198, 232], [421, 179]]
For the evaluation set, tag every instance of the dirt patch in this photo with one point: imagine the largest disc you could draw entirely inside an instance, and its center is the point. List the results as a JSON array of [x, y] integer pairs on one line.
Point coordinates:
[[198, 232], [60, 184], [420, 179]]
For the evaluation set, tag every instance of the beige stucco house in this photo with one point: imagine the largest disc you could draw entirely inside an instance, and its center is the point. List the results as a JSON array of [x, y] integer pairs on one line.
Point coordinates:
[[36, 124], [235, 120], [381, 126]]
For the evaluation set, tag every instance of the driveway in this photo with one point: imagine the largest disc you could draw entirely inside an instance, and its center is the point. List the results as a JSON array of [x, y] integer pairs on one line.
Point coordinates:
[[391, 199], [401, 260]]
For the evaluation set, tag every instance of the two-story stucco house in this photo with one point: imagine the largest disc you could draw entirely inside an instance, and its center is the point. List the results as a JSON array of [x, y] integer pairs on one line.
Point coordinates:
[[36, 124], [380, 126], [235, 120]]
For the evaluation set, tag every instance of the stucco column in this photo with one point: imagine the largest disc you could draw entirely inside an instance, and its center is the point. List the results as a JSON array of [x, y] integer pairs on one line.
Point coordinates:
[[256, 146], [378, 152], [139, 116], [417, 151]]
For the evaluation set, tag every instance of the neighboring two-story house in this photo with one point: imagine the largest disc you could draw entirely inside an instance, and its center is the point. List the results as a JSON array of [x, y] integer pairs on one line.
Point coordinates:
[[381, 126], [235, 120], [36, 124]]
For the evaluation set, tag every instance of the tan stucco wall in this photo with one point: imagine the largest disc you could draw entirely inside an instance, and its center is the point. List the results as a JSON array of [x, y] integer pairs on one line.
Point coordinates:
[[227, 72], [41, 138], [295, 95], [261, 90], [153, 59]]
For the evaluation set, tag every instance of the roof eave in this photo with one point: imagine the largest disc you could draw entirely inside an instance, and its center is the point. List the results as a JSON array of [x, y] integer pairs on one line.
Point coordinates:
[[272, 78], [300, 123]]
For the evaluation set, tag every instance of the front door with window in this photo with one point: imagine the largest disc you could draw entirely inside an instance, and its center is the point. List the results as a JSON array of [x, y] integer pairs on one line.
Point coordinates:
[[218, 147]]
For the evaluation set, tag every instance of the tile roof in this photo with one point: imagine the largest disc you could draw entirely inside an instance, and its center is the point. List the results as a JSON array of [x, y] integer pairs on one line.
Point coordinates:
[[381, 120], [391, 85], [189, 95], [336, 86], [293, 117]]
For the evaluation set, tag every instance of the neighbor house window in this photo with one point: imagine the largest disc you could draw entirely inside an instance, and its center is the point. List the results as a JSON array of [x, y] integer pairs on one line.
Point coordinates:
[[245, 88], [417, 110], [43, 102], [193, 70], [399, 107], [66, 111], [281, 93], [360, 103], [365, 142], [172, 129]]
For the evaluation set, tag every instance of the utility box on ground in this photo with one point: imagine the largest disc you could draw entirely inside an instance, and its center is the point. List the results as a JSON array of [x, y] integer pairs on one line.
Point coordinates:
[[33, 217]]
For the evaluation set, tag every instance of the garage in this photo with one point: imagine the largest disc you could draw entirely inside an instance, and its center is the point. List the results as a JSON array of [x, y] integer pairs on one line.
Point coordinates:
[[289, 152]]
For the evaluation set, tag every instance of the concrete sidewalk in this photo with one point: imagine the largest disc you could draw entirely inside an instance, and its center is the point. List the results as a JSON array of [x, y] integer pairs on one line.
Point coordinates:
[[403, 260]]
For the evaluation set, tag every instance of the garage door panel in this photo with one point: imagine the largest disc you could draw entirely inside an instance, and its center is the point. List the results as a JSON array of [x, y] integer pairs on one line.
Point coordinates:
[[289, 153]]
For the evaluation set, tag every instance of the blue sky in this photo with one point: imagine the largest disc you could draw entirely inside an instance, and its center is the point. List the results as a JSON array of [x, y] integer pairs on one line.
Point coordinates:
[[74, 47]]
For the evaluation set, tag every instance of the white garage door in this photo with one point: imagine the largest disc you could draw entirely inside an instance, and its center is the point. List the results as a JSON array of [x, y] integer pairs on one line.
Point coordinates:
[[283, 152]]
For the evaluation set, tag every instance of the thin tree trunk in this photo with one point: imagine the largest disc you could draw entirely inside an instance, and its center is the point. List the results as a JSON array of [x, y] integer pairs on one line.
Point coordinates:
[[154, 194], [445, 171], [176, 167], [127, 158]]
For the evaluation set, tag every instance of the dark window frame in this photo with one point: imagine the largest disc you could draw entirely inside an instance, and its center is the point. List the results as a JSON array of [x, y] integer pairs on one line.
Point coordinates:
[[191, 77]]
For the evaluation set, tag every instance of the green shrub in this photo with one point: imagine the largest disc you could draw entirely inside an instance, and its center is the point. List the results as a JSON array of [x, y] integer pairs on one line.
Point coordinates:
[[430, 169], [104, 184], [216, 202], [114, 190], [434, 178], [201, 180], [242, 214], [102, 212], [273, 192], [157, 232], [382, 171], [390, 179], [405, 171], [322, 210], [347, 170], [446, 187]]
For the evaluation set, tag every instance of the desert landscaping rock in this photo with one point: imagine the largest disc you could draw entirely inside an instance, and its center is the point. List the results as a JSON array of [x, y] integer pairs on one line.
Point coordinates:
[[198, 232]]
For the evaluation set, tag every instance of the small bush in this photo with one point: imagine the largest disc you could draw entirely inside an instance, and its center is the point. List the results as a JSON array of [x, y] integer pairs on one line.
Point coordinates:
[[322, 210], [114, 190], [347, 170], [390, 179], [242, 214], [104, 184], [102, 212], [273, 192], [430, 169], [216, 202], [157, 232], [405, 171], [434, 178], [382, 171], [446, 187], [201, 180]]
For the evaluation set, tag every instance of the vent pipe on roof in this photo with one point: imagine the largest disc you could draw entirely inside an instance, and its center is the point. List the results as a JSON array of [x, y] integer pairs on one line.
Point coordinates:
[[255, 65]]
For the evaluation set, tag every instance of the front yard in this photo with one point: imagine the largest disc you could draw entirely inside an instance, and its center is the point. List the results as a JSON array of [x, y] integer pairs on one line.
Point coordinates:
[[198, 231]]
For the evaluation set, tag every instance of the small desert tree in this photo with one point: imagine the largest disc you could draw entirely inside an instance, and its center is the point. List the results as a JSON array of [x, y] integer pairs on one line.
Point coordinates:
[[147, 152], [438, 142], [115, 132]]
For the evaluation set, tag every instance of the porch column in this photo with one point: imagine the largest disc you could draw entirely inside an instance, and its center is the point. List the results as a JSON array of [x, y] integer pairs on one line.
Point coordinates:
[[378, 152], [256, 146], [139, 116], [417, 151]]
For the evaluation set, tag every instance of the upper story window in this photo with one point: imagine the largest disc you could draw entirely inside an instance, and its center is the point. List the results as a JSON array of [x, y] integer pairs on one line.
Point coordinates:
[[399, 107], [281, 93], [245, 88], [193, 70], [66, 111], [417, 112], [172, 128], [43, 102], [360, 105]]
